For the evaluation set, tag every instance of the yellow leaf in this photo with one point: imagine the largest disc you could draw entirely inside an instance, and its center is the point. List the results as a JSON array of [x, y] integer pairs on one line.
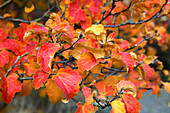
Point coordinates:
[[118, 107], [98, 53], [98, 30], [148, 59], [29, 9], [166, 86], [6, 15]]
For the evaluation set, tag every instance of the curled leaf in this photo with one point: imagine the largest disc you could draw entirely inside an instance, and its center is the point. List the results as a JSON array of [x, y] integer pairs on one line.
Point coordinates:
[[29, 9], [129, 86]]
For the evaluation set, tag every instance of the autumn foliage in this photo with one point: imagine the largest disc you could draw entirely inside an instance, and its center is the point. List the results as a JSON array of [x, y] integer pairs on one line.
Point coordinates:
[[101, 48]]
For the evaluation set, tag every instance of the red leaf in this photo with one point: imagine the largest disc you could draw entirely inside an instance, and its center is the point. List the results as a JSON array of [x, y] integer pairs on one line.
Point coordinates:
[[10, 44], [39, 78], [149, 71], [86, 108], [3, 34], [112, 37], [132, 105], [88, 95], [94, 7], [4, 57], [86, 61], [31, 47], [37, 28], [124, 45], [46, 53], [20, 32], [68, 80], [128, 60], [10, 86], [75, 12]]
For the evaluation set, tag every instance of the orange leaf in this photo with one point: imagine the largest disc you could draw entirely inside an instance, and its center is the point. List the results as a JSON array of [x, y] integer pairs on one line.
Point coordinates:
[[46, 53], [4, 57], [39, 78], [86, 108], [53, 91], [10, 86], [68, 80], [155, 89], [28, 10], [118, 107], [86, 61], [7, 15], [166, 86], [26, 88], [104, 90], [131, 104], [86, 23]]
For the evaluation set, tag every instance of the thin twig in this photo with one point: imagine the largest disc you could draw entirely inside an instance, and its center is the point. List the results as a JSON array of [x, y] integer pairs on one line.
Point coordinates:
[[58, 6], [14, 19], [113, 6], [62, 49], [18, 58], [5, 3], [45, 14]]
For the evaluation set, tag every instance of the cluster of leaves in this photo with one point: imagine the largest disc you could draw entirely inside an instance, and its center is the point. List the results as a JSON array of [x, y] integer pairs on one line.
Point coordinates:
[[101, 48]]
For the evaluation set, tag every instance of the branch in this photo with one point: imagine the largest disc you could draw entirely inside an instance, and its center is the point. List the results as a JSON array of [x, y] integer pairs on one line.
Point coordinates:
[[58, 6], [15, 19], [85, 78], [5, 3], [114, 69], [18, 58], [117, 13], [107, 102], [45, 14], [146, 38], [62, 49], [113, 6], [121, 91], [129, 22], [62, 16]]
